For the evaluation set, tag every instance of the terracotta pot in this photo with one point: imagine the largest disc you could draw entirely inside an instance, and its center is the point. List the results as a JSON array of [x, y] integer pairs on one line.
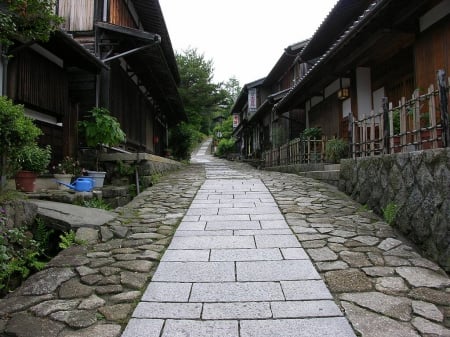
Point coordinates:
[[25, 181]]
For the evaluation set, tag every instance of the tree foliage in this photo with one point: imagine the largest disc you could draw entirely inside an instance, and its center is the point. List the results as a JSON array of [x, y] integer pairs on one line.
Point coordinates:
[[27, 20], [202, 98]]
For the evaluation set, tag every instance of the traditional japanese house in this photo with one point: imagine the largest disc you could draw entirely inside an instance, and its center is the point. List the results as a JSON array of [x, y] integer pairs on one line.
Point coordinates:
[[114, 54], [139, 85], [263, 128], [41, 77], [366, 50]]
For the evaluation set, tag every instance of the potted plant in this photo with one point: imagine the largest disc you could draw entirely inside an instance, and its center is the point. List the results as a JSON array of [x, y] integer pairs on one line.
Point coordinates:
[[16, 131], [66, 170], [31, 160], [101, 129]]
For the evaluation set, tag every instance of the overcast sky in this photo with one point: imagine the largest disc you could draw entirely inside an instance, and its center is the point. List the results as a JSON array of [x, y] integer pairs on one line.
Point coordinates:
[[243, 38]]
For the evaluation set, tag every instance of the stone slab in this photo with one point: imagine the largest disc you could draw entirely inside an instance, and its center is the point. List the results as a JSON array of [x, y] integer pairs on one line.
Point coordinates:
[[279, 231], [323, 327], [192, 225], [294, 254], [273, 216], [249, 210], [236, 292], [211, 242], [305, 290], [196, 233], [186, 255], [68, 216], [276, 241], [285, 270], [182, 328], [195, 272], [143, 328], [245, 254], [232, 224], [269, 224], [237, 310], [168, 310], [167, 292], [302, 309]]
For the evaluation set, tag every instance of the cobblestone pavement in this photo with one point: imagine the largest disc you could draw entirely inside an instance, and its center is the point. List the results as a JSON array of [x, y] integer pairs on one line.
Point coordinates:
[[347, 273]]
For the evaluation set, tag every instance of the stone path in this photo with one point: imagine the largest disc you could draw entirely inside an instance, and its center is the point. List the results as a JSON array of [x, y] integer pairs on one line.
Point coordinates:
[[235, 268], [366, 280]]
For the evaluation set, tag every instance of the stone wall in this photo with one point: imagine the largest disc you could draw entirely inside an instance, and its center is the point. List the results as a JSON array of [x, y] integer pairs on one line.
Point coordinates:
[[418, 183]]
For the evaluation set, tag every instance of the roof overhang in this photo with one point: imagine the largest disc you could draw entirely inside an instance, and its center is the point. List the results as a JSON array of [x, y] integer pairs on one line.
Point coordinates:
[[67, 49], [142, 52]]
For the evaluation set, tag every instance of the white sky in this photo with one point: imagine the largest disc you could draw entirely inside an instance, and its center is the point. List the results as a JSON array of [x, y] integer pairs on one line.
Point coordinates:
[[243, 38]]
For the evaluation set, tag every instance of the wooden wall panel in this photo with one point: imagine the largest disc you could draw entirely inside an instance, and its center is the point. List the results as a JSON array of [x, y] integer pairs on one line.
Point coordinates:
[[39, 83], [432, 52], [132, 109], [78, 14], [327, 116], [120, 15]]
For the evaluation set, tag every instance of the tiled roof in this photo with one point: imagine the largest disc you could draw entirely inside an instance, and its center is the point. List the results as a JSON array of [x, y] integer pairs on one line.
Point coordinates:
[[348, 33]]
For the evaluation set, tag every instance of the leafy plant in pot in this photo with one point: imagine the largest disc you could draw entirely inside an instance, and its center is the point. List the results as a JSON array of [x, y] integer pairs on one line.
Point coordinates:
[[31, 160], [16, 131], [101, 129]]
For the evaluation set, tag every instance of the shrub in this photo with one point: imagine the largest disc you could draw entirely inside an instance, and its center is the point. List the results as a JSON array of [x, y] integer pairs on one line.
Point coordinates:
[[33, 158], [20, 255], [225, 146], [336, 149]]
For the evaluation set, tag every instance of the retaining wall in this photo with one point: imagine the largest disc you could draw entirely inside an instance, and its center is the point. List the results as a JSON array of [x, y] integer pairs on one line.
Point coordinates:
[[418, 183]]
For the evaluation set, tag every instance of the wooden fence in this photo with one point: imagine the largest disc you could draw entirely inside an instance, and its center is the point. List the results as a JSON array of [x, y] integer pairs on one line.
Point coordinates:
[[416, 124], [297, 151]]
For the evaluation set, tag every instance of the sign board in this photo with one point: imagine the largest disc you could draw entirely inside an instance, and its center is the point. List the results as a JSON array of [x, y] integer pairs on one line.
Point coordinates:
[[235, 120], [252, 100]]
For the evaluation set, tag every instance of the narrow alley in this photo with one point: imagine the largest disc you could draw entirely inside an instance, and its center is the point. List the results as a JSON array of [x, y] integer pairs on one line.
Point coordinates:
[[234, 251]]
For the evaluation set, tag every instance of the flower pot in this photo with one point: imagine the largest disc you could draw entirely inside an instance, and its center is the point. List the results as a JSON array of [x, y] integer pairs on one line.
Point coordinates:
[[64, 178], [98, 177], [25, 181]]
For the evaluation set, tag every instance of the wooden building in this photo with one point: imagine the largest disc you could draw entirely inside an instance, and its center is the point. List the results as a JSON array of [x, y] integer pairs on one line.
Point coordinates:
[[366, 50], [114, 54], [260, 128]]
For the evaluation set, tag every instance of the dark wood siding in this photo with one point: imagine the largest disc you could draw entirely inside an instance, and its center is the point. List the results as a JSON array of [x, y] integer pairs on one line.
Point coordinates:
[[327, 116], [432, 52], [120, 15], [132, 109], [38, 83]]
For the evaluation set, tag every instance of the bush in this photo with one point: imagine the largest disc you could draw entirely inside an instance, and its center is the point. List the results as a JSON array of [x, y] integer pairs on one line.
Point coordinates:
[[33, 158], [225, 146], [336, 149], [182, 140], [20, 255]]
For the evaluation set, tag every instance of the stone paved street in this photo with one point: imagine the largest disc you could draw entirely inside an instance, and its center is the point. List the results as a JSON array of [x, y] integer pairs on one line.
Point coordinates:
[[255, 253]]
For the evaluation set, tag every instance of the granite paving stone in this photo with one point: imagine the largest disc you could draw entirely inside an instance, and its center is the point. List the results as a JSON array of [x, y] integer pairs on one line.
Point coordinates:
[[284, 270], [324, 327], [237, 310], [236, 292], [218, 248]]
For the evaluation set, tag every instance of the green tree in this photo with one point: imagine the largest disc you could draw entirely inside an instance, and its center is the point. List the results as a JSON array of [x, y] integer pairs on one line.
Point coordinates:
[[27, 20], [203, 100], [198, 92]]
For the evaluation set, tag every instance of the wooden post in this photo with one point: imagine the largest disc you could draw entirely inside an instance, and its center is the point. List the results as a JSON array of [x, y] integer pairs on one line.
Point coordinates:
[[350, 133], [386, 128], [443, 99], [432, 117]]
